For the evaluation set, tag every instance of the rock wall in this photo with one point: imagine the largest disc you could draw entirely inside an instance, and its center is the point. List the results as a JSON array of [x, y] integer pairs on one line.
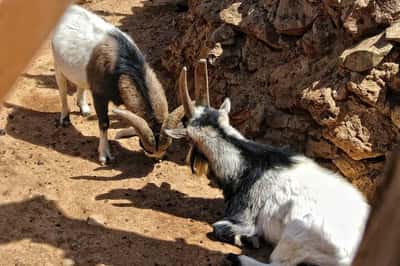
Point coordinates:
[[319, 76]]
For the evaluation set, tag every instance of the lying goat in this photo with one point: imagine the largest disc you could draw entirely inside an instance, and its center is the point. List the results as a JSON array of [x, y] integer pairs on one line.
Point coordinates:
[[312, 215], [95, 55]]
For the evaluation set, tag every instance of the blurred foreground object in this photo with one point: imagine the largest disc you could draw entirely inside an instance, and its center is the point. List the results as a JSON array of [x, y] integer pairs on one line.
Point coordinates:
[[24, 25], [380, 245]]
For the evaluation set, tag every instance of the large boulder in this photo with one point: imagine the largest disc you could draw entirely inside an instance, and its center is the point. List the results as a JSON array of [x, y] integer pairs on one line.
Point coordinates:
[[366, 54]]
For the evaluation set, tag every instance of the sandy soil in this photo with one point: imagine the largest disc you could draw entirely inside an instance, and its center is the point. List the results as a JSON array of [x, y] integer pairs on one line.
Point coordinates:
[[53, 191]]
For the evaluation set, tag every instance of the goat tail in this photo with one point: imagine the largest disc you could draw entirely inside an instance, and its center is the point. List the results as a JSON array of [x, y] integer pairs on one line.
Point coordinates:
[[242, 260]]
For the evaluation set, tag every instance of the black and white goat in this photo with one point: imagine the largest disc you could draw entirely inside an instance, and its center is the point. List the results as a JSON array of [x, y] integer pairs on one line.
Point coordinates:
[[95, 55], [312, 215]]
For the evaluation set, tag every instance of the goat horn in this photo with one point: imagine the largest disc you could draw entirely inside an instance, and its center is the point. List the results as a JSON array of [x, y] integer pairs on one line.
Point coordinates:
[[184, 94], [172, 121], [142, 129], [202, 93]]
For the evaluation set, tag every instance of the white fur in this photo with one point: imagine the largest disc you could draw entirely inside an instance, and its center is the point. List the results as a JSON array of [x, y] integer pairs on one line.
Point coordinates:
[[74, 39], [213, 146], [312, 214], [77, 34]]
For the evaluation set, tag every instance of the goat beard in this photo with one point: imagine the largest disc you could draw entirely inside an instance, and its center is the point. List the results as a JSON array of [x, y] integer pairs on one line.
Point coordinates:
[[197, 161]]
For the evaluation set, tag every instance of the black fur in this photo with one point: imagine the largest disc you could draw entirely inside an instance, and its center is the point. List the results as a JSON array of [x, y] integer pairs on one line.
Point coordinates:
[[258, 157], [131, 62], [245, 192], [233, 259], [104, 80]]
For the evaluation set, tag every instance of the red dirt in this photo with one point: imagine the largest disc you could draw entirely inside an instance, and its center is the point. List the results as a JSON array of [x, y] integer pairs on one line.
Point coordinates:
[[154, 213]]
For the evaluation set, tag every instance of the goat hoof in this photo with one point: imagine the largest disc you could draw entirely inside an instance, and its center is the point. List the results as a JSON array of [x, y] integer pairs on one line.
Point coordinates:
[[222, 231], [103, 160], [65, 121], [232, 259], [85, 111], [238, 241], [106, 159], [85, 114], [250, 241]]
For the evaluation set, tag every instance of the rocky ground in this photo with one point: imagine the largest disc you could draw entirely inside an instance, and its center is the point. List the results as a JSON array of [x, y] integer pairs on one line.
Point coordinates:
[[318, 76], [58, 206]]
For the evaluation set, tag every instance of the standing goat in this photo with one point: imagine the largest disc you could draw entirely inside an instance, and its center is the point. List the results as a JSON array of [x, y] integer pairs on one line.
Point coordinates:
[[312, 215], [95, 55]]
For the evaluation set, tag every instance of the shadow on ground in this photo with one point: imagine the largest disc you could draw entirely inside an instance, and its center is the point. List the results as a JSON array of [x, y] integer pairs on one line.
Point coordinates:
[[42, 221], [164, 199], [28, 125]]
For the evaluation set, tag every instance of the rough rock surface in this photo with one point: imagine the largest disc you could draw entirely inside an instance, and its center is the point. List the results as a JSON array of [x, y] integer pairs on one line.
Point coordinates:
[[367, 54], [320, 76]]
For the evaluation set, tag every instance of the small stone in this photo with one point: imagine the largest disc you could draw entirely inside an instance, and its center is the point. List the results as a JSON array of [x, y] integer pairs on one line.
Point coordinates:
[[362, 133], [350, 168], [321, 105], [2, 132], [293, 17], [231, 15], [68, 262], [368, 90], [96, 219], [367, 54], [340, 93], [393, 32]]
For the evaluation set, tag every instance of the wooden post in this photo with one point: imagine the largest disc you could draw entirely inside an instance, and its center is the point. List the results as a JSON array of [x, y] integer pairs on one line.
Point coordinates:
[[381, 242], [24, 25]]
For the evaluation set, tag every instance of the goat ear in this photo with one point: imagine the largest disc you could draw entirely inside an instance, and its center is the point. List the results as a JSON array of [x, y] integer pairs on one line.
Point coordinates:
[[226, 106], [176, 133]]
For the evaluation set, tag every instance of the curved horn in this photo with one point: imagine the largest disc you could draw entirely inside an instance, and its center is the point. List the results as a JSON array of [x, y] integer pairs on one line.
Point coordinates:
[[142, 129], [172, 121], [184, 94], [202, 93]]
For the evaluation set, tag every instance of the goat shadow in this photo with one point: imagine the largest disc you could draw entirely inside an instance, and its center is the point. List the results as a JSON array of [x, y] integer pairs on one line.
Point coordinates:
[[40, 128], [164, 199], [42, 221]]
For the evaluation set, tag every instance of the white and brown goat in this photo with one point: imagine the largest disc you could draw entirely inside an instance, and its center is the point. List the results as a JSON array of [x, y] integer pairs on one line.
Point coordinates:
[[95, 55]]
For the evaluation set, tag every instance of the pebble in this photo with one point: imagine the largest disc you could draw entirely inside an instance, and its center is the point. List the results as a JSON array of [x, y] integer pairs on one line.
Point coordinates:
[[68, 262], [96, 219]]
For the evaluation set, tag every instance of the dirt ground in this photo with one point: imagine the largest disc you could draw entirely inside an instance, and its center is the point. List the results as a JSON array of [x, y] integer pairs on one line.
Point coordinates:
[[58, 206]]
